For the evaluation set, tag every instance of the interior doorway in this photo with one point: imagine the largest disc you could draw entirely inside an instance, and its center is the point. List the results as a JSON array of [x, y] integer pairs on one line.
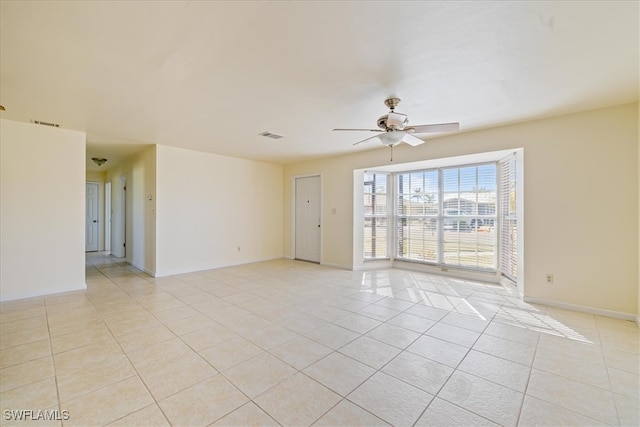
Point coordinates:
[[91, 216], [308, 215]]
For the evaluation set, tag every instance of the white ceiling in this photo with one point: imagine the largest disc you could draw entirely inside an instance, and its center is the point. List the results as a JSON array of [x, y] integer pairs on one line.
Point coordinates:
[[211, 76]]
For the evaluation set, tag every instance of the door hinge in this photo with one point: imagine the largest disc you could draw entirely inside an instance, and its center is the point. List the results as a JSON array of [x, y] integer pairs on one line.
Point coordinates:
[[124, 245]]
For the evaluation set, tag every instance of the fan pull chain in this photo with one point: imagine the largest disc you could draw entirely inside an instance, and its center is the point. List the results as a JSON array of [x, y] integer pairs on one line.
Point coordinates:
[[391, 153]]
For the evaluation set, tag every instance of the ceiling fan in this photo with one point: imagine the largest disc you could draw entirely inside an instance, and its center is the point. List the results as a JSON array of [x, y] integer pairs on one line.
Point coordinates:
[[394, 128]]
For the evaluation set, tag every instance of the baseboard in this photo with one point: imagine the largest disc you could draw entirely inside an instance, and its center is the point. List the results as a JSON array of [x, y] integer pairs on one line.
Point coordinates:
[[41, 293], [373, 265], [638, 321], [143, 268], [584, 309], [215, 266], [338, 266]]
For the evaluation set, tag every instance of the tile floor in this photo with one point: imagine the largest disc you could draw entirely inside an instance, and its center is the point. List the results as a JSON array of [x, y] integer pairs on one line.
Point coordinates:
[[293, 343]]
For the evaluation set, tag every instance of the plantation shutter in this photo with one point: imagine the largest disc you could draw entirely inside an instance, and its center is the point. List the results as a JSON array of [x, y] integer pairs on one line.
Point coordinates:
[[508, 224], [376, 213]]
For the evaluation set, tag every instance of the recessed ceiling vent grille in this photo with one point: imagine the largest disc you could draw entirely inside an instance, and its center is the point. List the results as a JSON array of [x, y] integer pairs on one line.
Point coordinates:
[[40, 122], [270, 135]]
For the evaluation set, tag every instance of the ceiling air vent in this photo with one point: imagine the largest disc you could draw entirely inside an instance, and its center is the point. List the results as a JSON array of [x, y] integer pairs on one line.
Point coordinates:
[[270, 135], [40, 122]]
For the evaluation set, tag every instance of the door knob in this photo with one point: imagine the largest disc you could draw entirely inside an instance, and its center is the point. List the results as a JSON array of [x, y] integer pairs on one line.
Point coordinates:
[[95, 220]]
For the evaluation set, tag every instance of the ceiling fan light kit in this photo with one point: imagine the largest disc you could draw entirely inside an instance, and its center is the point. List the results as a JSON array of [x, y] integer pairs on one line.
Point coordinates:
[[394, 128]]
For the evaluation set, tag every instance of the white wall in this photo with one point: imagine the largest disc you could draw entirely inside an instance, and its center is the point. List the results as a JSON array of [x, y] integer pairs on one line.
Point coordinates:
[[581, 202], [209, 205], [140, 223], [42, 205]]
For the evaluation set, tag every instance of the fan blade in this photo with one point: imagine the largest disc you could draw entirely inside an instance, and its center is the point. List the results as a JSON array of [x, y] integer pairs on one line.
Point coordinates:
[[440, 127], [412, 140], [396, 120], [361, 130], [365, 140]]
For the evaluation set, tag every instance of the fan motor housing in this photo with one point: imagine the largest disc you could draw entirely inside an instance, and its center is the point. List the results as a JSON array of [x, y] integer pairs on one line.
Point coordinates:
[[382, 122]]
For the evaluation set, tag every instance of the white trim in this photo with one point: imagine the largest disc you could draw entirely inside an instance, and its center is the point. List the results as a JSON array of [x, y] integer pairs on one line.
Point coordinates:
[[338, 266], [80, 287], [374, 265], [638, 320], [140, 267], [582, 308], [214, 267]]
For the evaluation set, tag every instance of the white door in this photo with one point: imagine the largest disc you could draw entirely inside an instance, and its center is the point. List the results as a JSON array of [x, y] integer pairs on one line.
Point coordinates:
[[307, 225], [91, 219]]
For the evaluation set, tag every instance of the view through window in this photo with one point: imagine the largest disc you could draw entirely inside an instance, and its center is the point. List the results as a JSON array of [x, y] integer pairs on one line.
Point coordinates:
[[444, 216]]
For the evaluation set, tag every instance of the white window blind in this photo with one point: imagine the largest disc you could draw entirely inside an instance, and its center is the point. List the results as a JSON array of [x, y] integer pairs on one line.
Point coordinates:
[[376, 212], [469, 216], [508, 223], [447, 216], [417, 216]]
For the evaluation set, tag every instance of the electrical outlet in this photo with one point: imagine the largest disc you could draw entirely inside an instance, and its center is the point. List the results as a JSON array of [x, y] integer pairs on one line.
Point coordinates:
[[549, 278]]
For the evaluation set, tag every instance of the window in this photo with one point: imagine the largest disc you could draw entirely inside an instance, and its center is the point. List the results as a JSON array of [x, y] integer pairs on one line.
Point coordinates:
[[443, 216], [417, 216], [376, 212]]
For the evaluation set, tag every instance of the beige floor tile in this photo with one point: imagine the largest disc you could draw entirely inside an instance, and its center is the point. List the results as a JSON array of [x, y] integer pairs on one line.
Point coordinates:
[[346, 413], [190, 324], [208, 337], [578, 368], [411, 322], [259, 374], [423, 373], [38, 395], [628, 410], [625, 383], [489, 400], [442, 413], [151, 416], [159, 353], [108, 404], [166, 379], [283, 306], [146, 337], [394, 401], [24, 353], [453, 334], [332, 336], [588, 400], [297, 401], [358, 323], [126, 326], [393, 335], [203, 403], [27, 313], [438, 350], [230, 353], [86, 356], [536, 412], [513, 333], [24, 337], [82, 338], [271, 336], [476, 322], [23, 325], [497, 370], [26, 373], [74, 324], [505, 349], [371, 352], [247, 415], [622, 360], [300, 352], [88, 378]]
